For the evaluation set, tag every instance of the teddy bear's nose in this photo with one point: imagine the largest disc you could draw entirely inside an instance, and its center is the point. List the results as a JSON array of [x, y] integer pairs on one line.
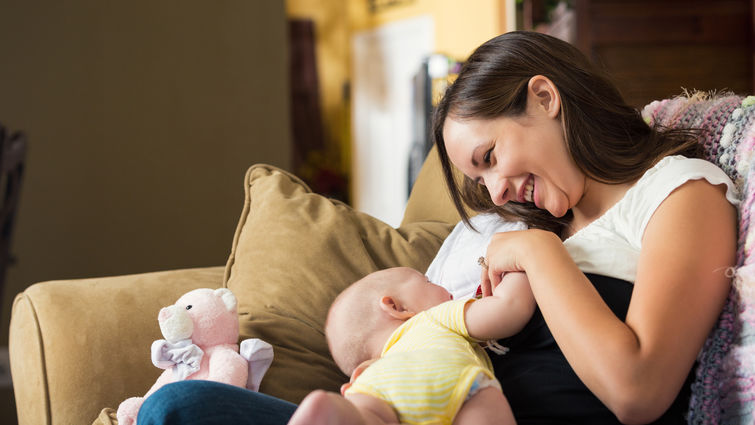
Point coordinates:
[[164, 314]]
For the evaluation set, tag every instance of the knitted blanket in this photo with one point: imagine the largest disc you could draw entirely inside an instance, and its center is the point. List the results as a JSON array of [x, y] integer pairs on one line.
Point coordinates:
[[724, 388]]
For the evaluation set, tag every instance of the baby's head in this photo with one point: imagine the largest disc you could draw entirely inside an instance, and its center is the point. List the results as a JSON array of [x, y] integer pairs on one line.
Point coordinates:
[[361, 317]]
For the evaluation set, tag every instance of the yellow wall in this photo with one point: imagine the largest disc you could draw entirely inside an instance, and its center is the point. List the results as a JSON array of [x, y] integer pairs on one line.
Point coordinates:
[[460, 26]]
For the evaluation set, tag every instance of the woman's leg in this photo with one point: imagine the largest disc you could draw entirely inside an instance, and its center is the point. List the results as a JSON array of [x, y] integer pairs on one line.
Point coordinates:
[[209, 403]]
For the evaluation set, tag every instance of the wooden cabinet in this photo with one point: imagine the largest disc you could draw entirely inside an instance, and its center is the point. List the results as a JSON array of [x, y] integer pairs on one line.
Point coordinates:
[[654, 49]]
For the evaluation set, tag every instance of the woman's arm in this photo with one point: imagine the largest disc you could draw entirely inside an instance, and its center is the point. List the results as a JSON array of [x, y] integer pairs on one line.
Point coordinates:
[[503, 314], [635, 367]]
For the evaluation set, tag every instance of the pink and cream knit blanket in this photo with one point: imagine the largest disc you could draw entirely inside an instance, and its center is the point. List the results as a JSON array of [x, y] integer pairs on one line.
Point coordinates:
[[724, 388]]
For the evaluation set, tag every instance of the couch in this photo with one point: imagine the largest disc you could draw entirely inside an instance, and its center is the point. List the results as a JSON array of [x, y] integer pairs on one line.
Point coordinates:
[[80, 347]]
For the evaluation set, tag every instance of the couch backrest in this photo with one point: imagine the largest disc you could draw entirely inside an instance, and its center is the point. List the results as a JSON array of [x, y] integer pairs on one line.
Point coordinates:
[[429, 199]]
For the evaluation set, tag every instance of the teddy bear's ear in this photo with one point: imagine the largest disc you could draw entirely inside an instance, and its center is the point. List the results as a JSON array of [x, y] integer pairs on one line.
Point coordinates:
[[228, 298]]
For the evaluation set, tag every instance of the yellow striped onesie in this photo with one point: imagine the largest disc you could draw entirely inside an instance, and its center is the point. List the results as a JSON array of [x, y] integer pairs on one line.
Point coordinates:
[[427, 367]]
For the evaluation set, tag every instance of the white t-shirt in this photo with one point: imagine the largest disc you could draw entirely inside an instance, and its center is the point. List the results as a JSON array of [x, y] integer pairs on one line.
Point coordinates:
[[610, 245], [455, 266]]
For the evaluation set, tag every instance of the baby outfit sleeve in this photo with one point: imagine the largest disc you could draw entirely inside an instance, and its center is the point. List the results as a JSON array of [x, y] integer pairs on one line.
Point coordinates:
[[450, 315]]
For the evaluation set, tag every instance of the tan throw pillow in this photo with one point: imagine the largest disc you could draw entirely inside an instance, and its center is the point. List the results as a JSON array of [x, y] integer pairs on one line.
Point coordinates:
[[293, 252]]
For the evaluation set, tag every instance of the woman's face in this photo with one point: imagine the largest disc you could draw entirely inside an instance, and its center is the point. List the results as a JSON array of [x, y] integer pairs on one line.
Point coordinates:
[[522, 159]]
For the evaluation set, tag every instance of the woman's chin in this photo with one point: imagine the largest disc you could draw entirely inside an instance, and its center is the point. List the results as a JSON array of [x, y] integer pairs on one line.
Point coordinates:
[[557, 212]]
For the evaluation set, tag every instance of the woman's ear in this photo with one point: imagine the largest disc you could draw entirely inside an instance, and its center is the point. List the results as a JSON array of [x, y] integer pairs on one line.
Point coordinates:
[[393, 307], [543, 94]]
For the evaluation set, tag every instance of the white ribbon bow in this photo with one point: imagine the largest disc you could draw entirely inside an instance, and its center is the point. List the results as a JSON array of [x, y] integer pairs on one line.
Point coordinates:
[[184, 356]]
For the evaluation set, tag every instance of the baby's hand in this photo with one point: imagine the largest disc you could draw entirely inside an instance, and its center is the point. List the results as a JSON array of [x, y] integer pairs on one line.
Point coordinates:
[[484, 290], [509, 280], [514, 277], [354, 375]]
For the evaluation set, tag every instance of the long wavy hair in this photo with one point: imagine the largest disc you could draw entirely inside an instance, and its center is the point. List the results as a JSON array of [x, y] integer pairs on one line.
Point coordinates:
[[607, 139]]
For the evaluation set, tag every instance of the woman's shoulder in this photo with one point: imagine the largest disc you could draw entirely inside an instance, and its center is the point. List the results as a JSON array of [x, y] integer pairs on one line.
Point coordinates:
[[680, 163], [657, 184], [671, 172]]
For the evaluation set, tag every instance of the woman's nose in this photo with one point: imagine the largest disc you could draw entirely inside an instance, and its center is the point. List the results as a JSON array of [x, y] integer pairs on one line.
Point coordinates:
[[498, 191]]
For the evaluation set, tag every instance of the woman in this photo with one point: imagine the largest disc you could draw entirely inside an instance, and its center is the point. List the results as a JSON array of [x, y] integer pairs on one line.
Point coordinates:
[[543, 137]]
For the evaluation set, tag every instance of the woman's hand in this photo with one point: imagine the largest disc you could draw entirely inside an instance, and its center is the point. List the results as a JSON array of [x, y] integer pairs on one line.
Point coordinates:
[[514, 252]]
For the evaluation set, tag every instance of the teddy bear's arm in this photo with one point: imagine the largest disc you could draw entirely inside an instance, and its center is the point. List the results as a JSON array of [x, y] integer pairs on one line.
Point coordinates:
[[165, 378], [229, 367], [129, 409]]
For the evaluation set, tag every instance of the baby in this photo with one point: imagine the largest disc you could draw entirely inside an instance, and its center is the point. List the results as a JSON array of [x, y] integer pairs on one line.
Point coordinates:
[[425, 361]]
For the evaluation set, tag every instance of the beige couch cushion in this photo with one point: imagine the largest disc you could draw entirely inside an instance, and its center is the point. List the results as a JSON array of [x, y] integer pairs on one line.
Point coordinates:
[[79, 345], [293, 252], [430, 200]]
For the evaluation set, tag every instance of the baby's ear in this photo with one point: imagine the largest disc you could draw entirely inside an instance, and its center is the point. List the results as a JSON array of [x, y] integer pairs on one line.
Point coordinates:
[[394, 308]]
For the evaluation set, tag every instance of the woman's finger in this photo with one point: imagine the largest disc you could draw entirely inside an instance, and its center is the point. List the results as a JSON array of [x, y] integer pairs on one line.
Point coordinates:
[[495, 278], [487, 290], [500, 257]]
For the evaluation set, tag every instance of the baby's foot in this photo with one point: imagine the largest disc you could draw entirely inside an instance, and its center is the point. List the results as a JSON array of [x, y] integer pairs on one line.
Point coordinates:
[[325, 408]]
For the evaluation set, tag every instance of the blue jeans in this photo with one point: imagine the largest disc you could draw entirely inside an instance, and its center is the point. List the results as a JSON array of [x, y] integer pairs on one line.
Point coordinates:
[[209, 403]]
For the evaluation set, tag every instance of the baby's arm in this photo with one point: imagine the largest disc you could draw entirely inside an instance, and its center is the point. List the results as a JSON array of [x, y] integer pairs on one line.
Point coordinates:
[[505, 312], [326, 408]]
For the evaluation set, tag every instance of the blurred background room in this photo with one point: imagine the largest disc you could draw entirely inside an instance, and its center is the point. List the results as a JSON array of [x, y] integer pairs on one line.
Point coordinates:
[[140, 118]]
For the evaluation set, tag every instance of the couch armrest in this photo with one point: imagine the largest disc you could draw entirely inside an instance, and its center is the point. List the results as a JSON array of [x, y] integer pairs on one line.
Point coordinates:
[[77, 346]]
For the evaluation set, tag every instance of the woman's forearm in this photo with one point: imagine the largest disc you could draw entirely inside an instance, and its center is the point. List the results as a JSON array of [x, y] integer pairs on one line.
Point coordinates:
[[603, 351], [637, 366]]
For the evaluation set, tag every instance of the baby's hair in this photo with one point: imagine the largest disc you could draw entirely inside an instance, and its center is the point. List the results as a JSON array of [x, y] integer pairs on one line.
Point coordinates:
[[354, 314]]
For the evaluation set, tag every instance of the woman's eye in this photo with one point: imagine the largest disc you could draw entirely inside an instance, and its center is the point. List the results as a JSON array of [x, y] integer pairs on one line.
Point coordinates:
[[486, 157]]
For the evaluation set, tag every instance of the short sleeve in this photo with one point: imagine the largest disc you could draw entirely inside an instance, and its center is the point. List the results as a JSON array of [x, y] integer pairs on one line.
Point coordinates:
[[451, 315]]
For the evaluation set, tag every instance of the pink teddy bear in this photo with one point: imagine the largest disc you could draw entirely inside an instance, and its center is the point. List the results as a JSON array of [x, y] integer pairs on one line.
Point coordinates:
[[201, 331]]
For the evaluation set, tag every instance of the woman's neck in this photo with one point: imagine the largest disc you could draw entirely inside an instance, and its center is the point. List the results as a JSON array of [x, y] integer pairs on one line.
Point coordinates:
[[597, 199]]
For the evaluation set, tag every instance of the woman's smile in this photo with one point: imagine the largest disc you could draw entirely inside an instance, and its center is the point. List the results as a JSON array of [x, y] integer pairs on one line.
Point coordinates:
[[528, 189]]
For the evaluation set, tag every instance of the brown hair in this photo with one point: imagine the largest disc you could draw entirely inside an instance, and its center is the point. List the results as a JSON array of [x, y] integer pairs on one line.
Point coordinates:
[[608, 139]]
